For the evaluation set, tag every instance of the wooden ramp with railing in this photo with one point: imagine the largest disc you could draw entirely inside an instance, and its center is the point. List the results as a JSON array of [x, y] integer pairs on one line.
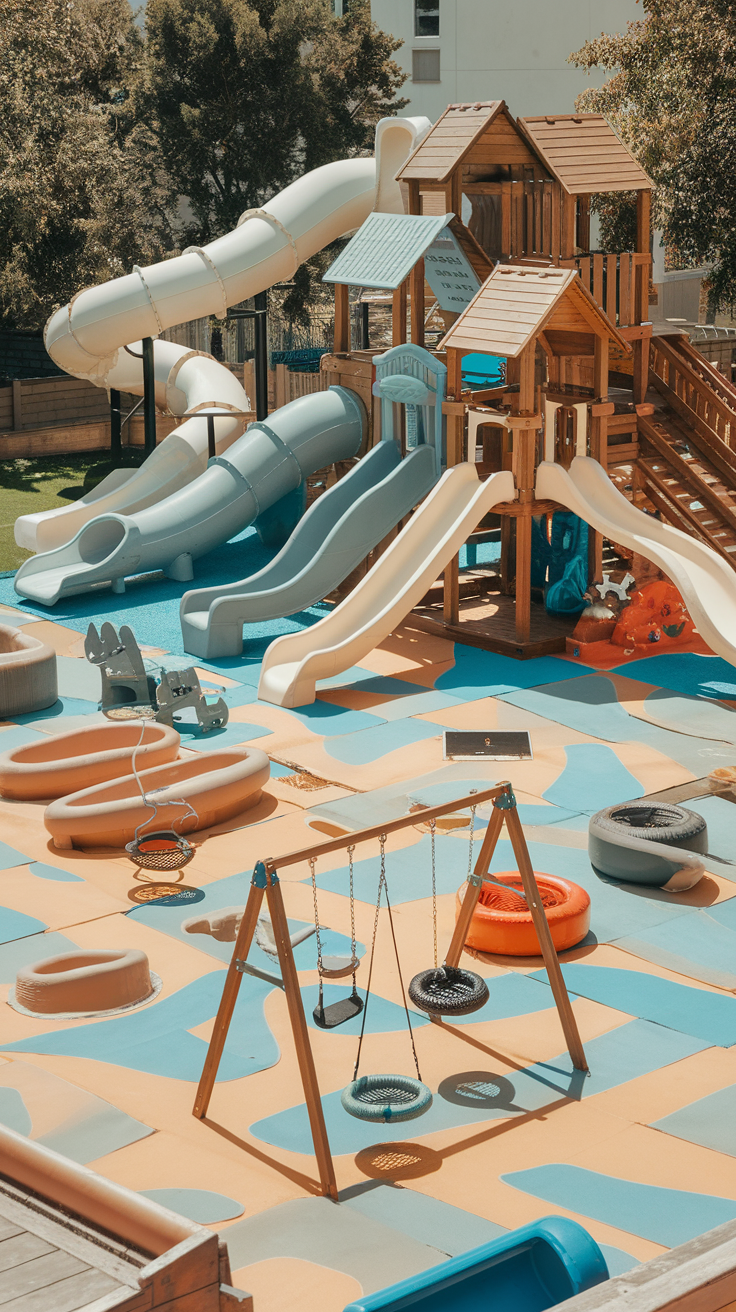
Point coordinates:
[[684, 458]]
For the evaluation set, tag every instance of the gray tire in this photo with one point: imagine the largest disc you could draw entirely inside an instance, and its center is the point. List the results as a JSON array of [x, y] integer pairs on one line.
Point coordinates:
[[612, 857]]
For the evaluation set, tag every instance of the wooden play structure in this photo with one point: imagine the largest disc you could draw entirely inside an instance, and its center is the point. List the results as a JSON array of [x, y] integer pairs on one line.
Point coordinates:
[[568, 322], [266, 881]]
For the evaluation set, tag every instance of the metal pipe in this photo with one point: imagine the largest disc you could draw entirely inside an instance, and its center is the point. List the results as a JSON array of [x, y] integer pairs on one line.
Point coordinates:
[[261, 354], [149, 397], [116, 428]]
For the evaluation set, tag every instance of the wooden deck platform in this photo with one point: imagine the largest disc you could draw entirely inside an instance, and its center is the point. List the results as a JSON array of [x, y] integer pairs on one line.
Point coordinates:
[[52, 1262], [488, 621]]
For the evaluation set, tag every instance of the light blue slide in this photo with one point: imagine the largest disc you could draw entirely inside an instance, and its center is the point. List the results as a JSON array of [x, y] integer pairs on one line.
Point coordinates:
[[266, 464], [336, 533]]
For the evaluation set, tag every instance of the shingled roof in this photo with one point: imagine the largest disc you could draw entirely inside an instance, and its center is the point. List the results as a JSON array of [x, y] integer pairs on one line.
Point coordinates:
[[584, 153], [514, 305]]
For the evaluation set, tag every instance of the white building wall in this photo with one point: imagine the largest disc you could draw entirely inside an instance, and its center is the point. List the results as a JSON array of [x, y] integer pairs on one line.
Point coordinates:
[[512, 50]]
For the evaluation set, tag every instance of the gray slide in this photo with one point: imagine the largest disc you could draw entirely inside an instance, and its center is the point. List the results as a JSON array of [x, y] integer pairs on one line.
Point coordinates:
[[267, 463], [336, 533]]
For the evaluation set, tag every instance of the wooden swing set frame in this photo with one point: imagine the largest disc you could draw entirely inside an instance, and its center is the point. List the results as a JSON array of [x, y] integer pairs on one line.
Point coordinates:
[[266, 880]]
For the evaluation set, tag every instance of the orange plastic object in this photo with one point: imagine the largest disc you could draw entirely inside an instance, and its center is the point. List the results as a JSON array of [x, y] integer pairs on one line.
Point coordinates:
[[502, 924], [656, 615], [216, 785], [65, 762]]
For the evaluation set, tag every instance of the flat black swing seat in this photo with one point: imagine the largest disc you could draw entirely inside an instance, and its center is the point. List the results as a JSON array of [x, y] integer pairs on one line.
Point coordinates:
[[338, 1012]]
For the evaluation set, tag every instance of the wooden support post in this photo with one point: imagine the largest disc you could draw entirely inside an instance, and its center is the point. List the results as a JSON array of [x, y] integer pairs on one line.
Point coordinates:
[[523, 606], [552, 965], [643, 221], [342, 319], [416, 283], [584, 223], [567, 235], [398, 316], [598, 449], [456, 192], [301, 1037], [228, 999], [641, 369], [455, 436], [415, 201], [472, 891]]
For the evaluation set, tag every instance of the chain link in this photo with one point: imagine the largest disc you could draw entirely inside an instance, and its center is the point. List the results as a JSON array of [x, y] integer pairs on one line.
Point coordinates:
[[433, 832], [317, 927], [472, 834], [353, 944]]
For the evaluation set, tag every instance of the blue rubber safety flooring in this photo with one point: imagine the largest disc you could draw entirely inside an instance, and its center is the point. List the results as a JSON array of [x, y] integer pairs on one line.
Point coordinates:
[[62, 706], [664, 1216], [16, 924], [472, 1097], [593, 777], [710, 1122], [156, 1039], [19, 736], [697, 946], [685, 672], [232, 735], [591, 706], [88, 1127], [694, 715], [371, 744], [704, 1015], [477, 673]]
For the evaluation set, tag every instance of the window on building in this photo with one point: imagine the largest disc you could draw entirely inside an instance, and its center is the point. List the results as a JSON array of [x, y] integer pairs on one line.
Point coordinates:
[[426, 18], [425, 65]]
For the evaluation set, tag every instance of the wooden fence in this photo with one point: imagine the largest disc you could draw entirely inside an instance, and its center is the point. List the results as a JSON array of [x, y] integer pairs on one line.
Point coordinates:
[[619, 283]]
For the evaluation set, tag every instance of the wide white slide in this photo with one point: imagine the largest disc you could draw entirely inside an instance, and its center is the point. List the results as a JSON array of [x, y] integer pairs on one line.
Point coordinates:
[[88, 337], [395, 584], [707, 583]]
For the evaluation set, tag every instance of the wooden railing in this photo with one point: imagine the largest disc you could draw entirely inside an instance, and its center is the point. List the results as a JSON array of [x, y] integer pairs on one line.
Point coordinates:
[[718, 382], [619, 283], [688, 392]]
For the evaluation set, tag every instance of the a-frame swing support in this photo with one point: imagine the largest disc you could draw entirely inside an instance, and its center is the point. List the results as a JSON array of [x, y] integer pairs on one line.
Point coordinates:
[[266, 880]]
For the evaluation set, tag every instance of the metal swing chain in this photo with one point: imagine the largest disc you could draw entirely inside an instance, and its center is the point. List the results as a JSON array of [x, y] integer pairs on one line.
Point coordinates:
[[353, 951], [472, 833], [383, 886], [433, 831], [317, 927]]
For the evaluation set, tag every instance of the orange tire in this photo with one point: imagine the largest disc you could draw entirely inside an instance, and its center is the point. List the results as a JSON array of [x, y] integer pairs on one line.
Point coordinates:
[[503, 925]]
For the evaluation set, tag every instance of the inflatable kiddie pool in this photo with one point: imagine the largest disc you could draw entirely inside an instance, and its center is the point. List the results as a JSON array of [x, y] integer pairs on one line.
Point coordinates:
[[188, 795], [502, 923], [84, 982], [65, 762]]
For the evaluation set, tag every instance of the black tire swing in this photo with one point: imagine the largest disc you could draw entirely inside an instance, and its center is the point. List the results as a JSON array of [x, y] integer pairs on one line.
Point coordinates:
[[336, 967], [386, 1098], [448, 990]]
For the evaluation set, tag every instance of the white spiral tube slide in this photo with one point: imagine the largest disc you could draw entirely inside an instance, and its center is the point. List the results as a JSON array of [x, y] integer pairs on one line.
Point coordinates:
[[87, 338]]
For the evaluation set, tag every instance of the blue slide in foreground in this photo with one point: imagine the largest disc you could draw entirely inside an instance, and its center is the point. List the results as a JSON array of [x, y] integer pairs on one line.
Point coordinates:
[[527, 1270], [336, 533]]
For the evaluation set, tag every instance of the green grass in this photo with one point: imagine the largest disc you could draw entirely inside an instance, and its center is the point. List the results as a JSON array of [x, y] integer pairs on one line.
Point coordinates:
[[27, 486]]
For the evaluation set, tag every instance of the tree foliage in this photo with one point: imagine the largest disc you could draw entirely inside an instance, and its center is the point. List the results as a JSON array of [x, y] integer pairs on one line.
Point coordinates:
[[672, 98], [81, 195], [248, 94]]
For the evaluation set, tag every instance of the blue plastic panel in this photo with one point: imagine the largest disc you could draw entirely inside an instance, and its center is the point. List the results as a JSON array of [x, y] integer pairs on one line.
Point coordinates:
[[385, 249]]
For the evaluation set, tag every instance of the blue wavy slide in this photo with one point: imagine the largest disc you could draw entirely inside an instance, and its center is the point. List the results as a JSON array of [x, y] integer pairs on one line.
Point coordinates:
[[337, 532]]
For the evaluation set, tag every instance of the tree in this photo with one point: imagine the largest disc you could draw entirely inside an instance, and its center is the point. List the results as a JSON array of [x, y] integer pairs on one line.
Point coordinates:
[[82, 195], [249, 94], [672, 98]]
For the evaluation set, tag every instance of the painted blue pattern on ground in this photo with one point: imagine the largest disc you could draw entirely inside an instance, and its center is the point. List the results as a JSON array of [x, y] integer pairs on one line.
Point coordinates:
[[664, 1216], [685, 672], [11, 857], [508, 995], [157, 1040], [26, 951], [475, 1096], [711, 1121], [593, 777], [19, 736], [197, 1204], [233, 892], [231, 736], [54, 872], [13, 1111], [370, 744], [705, 1015], [16, 924], [477, 673], [62, 706], [697, 946]]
